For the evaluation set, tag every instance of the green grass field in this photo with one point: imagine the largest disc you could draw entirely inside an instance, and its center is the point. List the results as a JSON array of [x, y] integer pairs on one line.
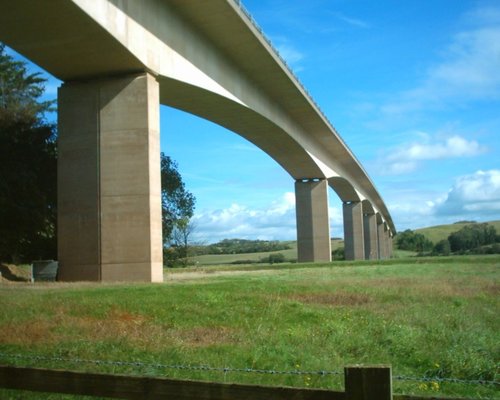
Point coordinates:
[[441, 232], [426, 317], [220, 259]]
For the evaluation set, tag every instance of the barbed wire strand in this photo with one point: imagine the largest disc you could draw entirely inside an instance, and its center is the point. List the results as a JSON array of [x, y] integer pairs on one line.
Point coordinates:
[[226, 370]]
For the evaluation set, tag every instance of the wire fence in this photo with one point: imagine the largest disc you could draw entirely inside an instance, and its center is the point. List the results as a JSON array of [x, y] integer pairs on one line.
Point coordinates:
[[226, 370]]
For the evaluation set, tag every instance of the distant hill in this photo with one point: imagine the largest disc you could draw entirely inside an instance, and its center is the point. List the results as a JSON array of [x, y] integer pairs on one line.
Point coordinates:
[[290, 254], [440, 232]]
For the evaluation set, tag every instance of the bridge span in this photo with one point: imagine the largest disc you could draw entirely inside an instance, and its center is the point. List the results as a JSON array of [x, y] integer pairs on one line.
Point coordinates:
[[119, 60]]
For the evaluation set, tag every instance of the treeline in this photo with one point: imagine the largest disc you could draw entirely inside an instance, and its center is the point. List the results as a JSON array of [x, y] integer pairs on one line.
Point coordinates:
[[471, 239], [240, 246], [275, 258]]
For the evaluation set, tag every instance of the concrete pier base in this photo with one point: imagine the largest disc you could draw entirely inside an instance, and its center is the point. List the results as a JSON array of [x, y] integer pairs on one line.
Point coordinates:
[[354, 246], [109, 187], [313, 225]]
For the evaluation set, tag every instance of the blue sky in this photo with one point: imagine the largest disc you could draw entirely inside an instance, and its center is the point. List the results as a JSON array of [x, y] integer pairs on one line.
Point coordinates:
[[412, 86]]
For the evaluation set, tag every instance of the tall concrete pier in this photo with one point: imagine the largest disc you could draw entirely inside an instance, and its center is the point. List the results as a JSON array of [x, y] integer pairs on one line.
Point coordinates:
[[109, 222]]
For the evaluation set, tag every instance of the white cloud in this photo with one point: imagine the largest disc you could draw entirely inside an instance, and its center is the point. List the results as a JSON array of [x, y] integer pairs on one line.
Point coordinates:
[[275, 222], [468, 71], [473, 195], [407, 157], [454, 146], [417, 213]]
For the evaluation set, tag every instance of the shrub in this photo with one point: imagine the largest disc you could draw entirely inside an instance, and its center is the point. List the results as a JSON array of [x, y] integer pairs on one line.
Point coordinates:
[[442, 248], [338, 254], [277, 258], [409, 240]]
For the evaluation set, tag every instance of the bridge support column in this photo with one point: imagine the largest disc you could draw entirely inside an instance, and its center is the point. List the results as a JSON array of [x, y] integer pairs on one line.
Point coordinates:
[[370, 236], [354, 246], [109, 185], [313, 225], [382, 240], [389, 242]]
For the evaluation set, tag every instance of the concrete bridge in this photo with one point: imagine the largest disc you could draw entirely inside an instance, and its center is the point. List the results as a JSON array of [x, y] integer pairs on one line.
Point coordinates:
[[119, 60]]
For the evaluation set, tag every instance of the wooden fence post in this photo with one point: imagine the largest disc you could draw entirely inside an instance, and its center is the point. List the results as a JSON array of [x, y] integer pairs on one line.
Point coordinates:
[[368, 382]]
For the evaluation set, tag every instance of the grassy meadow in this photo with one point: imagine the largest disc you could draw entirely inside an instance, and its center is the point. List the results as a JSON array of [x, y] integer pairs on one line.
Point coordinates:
[[440, 232], [427, 318], [221, 259]]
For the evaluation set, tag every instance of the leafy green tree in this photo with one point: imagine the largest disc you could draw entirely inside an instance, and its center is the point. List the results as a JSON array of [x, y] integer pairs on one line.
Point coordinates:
[[181, 237], [412, 241], [472, 237], [177, 210], [239, 246], [28, 166]]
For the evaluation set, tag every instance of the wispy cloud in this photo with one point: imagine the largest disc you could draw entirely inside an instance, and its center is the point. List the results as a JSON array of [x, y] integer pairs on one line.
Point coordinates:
[[484, 15], [408, 156], [289, 52], [355, 22], [468, 71]]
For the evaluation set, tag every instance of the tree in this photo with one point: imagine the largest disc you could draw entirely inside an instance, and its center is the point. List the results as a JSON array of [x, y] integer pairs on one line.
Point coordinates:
[[177, 210], [181, 237], [176, 202], [238, 246], [28, 165], [409, 240], [471, 237]]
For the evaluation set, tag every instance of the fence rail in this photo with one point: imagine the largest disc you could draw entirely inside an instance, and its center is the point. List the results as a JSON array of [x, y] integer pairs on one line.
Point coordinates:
[[132, 387], [361, 383]]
